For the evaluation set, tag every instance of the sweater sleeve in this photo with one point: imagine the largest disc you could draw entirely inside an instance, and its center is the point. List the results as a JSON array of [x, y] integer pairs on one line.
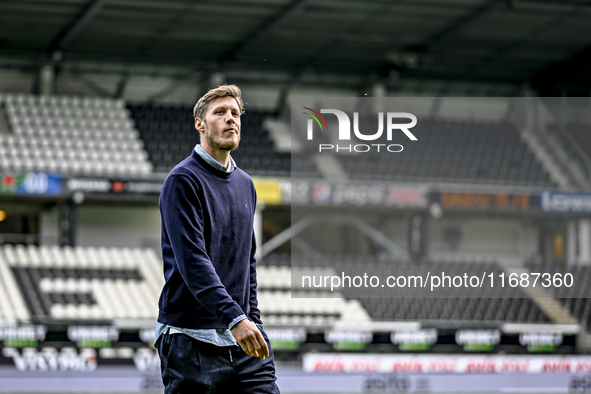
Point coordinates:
[[182, 216], [255, 313]]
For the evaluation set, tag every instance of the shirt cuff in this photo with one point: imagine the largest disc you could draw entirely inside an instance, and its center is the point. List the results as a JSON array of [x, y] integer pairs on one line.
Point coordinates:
[[236, 320]]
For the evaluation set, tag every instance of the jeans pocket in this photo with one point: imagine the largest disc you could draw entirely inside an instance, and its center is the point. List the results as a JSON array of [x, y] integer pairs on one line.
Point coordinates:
[[163, 344], [168, 342], [184, 353]]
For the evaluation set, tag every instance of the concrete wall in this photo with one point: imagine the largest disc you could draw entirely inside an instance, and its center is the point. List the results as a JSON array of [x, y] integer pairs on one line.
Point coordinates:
[[116, 226], [503, 237]]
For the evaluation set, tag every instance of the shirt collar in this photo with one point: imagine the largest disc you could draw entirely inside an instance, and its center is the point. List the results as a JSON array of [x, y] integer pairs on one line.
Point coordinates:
[[213, 162]]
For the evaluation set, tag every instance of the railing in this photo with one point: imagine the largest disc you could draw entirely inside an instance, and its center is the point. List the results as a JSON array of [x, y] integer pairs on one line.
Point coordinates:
[[575, 151], [28, 239]]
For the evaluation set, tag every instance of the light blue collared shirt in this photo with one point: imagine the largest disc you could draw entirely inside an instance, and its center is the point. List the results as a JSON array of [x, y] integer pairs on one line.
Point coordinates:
[[213, 162], [220, 336]]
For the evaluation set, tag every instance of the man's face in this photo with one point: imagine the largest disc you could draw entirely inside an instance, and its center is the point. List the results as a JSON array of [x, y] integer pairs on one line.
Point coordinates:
[[221, 124]]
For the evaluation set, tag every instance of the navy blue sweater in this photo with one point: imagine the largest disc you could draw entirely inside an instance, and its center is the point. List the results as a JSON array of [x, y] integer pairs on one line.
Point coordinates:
[[208, 246]]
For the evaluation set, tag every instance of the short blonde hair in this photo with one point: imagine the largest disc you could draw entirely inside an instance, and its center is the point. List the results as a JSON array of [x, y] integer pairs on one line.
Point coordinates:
[[221, 91]]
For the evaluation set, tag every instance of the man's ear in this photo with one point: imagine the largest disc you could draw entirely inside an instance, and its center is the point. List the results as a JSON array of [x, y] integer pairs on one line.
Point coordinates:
[[200, 125]]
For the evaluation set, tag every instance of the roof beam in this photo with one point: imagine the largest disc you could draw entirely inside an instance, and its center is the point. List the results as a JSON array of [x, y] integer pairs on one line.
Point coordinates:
[[427, 46], [262, 30], [569, 73], [515, 45], [71, 30], [557, 3], [461, 23]]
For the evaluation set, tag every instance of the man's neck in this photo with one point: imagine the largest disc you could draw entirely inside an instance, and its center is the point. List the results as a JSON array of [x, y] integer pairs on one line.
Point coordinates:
[[221, 156]]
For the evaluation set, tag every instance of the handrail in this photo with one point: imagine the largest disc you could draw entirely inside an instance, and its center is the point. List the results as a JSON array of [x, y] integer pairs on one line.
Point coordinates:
[[576, 150]]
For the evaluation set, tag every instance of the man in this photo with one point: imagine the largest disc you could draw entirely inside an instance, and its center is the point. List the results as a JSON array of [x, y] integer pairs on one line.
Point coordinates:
[[208, 305]]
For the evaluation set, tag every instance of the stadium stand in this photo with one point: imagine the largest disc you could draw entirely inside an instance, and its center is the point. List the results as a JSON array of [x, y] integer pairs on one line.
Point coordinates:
[[91, 136], [500, 174], [52, 284], [493, 304], [280, 307], [71, 135], [574, 134], [169, 133], [80, 284], [466, 309], [580, 132], [473, 152], [574, 295]]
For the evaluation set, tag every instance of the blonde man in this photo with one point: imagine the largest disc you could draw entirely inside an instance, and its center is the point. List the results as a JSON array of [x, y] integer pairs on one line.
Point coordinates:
[[209, 335]]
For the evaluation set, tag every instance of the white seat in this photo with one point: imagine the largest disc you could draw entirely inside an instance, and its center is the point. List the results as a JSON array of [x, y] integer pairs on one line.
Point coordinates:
[[103, 256], [93, 256], [69, 257], [34, 255], [58, 285], [81, 257], [58, 311]]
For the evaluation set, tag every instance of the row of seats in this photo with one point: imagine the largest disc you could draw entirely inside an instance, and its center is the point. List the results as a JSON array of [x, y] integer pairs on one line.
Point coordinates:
[[71, 135], [67, 102], [453, 151], [578, 131], [483, 304], [169, 135], [570, 285], [279, 306], [76, 135], [574, 138], [52, 284], [313, 309], [273, 277], [464, 309], [64, 283]]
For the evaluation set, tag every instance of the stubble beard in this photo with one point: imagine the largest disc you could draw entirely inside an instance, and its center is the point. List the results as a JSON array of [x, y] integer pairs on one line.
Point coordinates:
[[219, 145]]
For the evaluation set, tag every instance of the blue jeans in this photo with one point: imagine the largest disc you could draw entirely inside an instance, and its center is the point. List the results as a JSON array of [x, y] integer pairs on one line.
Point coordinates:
[[192, 366]]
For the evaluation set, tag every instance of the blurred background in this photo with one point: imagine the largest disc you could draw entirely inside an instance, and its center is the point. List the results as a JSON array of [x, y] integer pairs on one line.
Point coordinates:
[[96, 102]]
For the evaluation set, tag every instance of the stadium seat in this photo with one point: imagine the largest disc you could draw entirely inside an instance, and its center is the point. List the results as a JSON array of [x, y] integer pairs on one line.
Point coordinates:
[[169, 135], [50, 283], [469, 152], [71, 135]]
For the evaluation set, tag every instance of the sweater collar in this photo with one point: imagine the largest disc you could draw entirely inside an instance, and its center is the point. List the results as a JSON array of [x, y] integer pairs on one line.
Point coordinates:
[[207, 166], [213, 162]]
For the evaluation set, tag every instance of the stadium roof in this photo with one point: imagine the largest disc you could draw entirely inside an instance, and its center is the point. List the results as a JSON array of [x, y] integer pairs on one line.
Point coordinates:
[[543, 42]]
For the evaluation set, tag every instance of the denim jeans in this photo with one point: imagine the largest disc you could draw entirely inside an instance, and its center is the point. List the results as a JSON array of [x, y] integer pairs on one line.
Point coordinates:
[[190, 366]]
